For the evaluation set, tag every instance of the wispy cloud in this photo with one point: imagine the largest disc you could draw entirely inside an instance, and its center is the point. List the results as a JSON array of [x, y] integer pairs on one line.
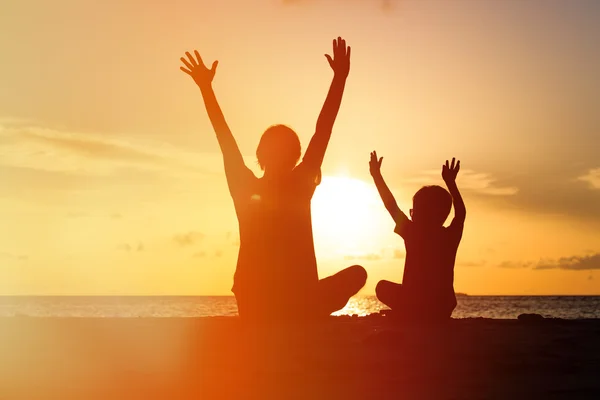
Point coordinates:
[[188, 239], [387, 253], [91, 147], [398, 254], [18, 257], [468, 180], [366, 257], [469, 264], [130, 248], [573, 263], [592, 177], [516, 264], [53, 150], [41, 148], [204, 254], [200, 254]]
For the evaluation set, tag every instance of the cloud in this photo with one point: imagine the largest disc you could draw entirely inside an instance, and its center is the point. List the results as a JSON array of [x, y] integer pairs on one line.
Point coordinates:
[[387, 253], [367, 257], [553, 189], [40, 148], [129, 248], [188, 239], [480, 263], [91, 147], [514, 264], [592, 177], [124, 247], [468, 180], [53, 150], [18, 257], [573, 263]]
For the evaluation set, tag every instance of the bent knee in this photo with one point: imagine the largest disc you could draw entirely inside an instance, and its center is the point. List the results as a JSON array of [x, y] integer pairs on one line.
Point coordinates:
[[383, 288], [359, 274]]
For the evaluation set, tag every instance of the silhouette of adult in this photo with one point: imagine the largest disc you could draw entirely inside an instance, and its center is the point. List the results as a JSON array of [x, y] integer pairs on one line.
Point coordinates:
[[276, 275]]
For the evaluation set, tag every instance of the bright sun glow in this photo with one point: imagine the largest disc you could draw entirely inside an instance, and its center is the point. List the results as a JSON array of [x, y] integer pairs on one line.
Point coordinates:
[[347, 217]]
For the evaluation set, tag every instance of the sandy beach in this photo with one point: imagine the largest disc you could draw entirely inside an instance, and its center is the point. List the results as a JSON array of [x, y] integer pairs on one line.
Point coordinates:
[[342, 358]]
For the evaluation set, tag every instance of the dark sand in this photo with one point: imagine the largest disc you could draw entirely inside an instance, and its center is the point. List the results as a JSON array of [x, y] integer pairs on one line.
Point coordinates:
[[342, 358]]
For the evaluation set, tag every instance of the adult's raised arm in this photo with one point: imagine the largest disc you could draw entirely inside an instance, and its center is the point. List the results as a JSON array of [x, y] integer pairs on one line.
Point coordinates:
[[232, 157], [340, 63]]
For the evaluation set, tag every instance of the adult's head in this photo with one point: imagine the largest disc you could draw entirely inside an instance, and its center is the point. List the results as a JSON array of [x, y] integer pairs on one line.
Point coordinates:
[[278, 150]]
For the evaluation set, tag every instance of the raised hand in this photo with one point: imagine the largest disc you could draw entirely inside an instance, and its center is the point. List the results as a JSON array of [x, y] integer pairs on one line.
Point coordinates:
[[450, 170], [340, 63], [197, 70], [375, 164]]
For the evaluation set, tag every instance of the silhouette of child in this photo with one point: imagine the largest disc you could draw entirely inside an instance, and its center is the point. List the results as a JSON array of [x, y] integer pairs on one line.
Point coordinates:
[[276, 275], [427, 289]]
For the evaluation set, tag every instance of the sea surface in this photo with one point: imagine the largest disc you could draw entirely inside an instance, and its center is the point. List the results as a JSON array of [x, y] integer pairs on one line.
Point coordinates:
[[568, 307]]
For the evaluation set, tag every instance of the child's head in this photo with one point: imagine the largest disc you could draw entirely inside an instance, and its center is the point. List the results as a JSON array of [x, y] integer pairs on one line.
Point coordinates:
[[431, 205], [278, 149]]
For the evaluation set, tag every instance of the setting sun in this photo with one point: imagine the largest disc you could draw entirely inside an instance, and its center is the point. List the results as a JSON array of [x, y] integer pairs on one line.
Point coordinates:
[[347, 217]]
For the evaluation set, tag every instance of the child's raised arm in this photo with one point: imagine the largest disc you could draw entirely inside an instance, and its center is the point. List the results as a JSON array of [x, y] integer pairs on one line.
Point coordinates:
[[449, 173], [386, 195]]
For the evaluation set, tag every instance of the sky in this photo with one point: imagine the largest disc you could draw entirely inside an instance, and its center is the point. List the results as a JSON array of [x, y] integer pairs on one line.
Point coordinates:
[[111, 181]]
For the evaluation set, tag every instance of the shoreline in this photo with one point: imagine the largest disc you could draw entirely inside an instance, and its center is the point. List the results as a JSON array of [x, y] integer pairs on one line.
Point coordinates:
[[343, 357]]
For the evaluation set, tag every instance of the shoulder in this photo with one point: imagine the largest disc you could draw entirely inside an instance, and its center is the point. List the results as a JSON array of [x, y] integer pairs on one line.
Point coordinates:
[[404, 227], [240, 178], [454, 231], [307, 174]]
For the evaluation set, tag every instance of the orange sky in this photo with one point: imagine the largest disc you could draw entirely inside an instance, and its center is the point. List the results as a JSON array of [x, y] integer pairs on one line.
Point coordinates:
[[110, 176]]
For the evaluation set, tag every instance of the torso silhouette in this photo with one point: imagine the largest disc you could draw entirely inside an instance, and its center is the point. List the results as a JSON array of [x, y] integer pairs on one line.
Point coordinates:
[[276, 256], [429, 267]]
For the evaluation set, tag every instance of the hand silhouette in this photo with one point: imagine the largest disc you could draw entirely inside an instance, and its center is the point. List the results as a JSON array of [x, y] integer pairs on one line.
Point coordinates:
[[197, 70], [375, 164], [340, 63], [449, 171]]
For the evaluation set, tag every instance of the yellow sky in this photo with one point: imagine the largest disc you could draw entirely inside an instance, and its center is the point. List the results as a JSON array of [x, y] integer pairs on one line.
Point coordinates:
[[110, 176]]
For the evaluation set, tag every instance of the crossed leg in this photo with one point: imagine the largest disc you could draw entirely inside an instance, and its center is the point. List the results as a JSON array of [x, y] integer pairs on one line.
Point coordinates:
[[329, 295], [390, 294], [335, 290], [430, 308]]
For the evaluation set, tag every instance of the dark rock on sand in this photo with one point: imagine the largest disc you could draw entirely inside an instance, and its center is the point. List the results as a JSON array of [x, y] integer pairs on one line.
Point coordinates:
[[530, 317]]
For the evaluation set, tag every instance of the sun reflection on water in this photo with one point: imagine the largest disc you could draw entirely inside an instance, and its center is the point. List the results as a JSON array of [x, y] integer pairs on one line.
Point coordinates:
[[361, 306]]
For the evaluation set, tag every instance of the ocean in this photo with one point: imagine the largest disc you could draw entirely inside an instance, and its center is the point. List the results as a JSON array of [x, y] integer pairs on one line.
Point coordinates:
[[504, 307]]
